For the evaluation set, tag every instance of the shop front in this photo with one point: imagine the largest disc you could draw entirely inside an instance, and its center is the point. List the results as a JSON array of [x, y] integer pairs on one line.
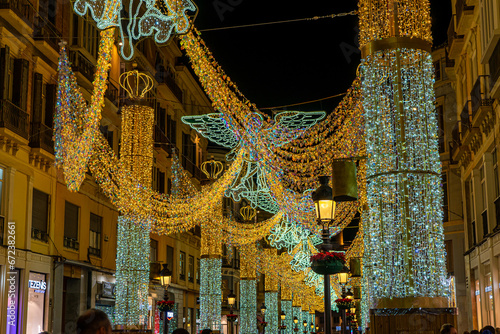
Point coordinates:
[[37, 302]]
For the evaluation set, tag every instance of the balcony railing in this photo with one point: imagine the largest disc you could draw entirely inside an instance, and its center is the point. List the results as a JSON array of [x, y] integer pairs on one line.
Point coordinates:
[[161, 140], [495, 64], [41, 137], [95, 251], [23, 8], [455, 136], [14, 118], [192, 168], [81, 64], [39, 235], [460, 8], [71, 243], [2, 229], [176, 90], [182, 277], [465, 119], [46, 31], [112, 94], [480, 95]]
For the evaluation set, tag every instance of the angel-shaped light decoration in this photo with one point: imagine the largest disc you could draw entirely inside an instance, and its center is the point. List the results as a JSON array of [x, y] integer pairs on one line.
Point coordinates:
[[143, 18], [251, 183]]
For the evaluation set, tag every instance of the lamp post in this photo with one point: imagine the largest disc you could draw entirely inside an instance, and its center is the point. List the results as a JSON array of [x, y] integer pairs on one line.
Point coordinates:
[[165, 276], [305, 326], [231, 300], [296, 321], [283, 317], [263, 309], [343, 278], [325, 213]]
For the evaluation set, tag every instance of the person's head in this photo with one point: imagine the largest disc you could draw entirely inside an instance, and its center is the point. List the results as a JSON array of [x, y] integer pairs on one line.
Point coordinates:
[[474, 331], [488, 330], [206, 331], [497, 330], [93, 321], [180, 331], [448, 329]]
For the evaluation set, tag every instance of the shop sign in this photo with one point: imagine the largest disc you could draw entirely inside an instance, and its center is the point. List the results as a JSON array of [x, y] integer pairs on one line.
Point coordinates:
[[39, 286], [170, 315], [108, 290]]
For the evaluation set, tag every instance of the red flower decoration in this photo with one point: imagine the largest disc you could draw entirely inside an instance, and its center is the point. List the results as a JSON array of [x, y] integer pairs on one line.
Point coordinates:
[[328, 257]]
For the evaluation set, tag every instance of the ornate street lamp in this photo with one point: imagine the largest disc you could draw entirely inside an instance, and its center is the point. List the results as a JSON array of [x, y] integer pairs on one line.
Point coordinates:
[[165, 276], [305, 326], [283, 317], [325, 213], [343, 276], [231, 299]]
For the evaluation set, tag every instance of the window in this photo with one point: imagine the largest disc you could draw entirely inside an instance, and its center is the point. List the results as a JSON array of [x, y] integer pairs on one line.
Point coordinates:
[[191, 269], [444, 180], [40, 216], [484, 212], [160, 182], [448, 244], [437, 69], [488, 294], [182, 266], [107, 133], [153, 251], [71, 222], [495, 172], [95, 235], [170, 258], [171, 130], [198, 273], [440, 115]]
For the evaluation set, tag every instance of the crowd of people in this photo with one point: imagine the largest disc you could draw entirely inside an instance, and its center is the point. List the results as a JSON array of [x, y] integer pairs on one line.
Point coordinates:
[[95, 321], [450, 329]]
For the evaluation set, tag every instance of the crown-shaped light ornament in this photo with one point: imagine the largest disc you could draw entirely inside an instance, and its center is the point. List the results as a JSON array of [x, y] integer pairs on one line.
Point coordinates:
[[248, 213], [136, 84], [212, 169]]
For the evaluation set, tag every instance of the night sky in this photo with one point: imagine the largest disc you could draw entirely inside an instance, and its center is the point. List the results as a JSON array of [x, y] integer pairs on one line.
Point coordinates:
[[288, 63]]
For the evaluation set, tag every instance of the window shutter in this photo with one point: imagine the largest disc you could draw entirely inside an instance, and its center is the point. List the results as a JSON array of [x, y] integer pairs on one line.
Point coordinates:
[[20, 83], [37, 97], [71, 221], [50, 104], [4, 72], [40, 210]]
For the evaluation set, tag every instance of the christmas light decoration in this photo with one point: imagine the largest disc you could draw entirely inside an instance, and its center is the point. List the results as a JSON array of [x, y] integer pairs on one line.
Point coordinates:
[[136, 155], [286, 306], [248, 306], [271, 302], [132, 273], [76, 123], [158, 20], [210, 293], [403, 232]]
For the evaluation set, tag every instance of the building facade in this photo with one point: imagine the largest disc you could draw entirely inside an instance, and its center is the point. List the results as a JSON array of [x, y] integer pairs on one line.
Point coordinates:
[[474, 47], [65, 242]]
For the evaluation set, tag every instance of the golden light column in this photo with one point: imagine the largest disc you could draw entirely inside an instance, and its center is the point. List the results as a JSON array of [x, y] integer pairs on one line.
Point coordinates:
[[404, 259], [133, 245]]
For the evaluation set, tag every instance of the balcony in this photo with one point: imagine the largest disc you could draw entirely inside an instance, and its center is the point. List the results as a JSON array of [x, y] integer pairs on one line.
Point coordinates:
[[14, 118], [39, 235], [192, 168], [81, 65], [494, 63], [19, 13], [41, 137], [233, 263], [455, 143], [455, 41], [467, 131], [450, 68], [481, 103], [113, 94], [465, 15], [161, 140], [172, 85], [71, 243], [46, 32], [95, 251], [2, 229], [497, 214]]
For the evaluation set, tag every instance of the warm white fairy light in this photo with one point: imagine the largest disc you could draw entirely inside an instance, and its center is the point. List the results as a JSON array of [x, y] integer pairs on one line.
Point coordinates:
[[210, 293]]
